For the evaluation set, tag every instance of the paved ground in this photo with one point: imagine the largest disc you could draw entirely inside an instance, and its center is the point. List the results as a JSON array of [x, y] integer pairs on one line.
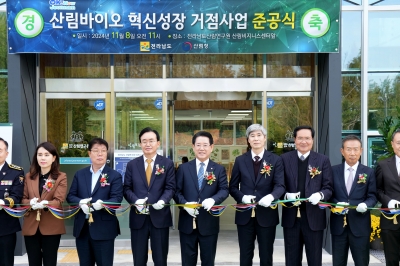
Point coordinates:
[[227, 253]]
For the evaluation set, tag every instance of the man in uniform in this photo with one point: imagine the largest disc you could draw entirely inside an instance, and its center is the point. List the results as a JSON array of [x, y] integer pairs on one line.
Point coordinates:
[[11, 191]]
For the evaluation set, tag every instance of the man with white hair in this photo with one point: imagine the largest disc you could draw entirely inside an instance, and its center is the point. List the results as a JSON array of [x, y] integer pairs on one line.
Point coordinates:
[[257, 176]]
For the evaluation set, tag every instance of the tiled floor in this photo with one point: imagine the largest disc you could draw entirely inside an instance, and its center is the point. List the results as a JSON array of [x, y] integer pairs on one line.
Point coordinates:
[[227, 253]]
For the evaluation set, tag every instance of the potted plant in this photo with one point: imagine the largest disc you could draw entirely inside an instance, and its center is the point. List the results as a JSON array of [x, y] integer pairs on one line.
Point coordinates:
[[375, 236]]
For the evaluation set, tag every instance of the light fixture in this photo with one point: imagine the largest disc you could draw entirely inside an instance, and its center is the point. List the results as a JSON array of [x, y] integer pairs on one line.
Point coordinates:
[[241, 111]]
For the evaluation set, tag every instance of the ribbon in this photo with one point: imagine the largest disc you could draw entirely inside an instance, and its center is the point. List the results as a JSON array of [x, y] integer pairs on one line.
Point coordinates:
[[117, 209]]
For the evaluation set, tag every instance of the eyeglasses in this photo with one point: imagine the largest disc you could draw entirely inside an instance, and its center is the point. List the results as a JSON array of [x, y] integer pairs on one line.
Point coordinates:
[[98, 151], [150, 142]]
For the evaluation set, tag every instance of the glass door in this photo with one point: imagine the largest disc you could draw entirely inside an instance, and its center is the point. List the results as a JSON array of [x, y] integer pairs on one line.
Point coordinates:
[[70, 121]]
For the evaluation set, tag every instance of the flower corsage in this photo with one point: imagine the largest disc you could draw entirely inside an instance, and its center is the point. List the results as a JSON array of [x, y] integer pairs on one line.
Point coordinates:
[[313, 171], [266, 169], [362, 178], [49, 184], [104, 180], [159, 170], [210, 177]]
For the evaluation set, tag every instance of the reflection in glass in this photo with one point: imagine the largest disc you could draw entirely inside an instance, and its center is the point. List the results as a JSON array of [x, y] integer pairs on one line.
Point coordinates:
[[286, 114], [72, 123], [132, 115], [351, 40], [290, 65], [3, 69], [351, 101], [214, 66], [3, 100], [383, 97], [74, 66], [138, 66], [384, 40], [351, 3], [383, 2]]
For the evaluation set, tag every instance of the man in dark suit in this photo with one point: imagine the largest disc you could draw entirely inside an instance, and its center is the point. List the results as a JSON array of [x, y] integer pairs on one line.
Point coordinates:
[[257, 176], [387, 174], [354, 184], [96, 184], [200, 181], [149, 179], [307, 175], [11, 192]]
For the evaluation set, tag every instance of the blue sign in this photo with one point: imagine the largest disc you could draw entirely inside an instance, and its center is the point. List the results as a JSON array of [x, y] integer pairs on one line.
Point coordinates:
[[270, 102], [75, 160], [120, 165], [158, 103], [173, 26], [99, 105]]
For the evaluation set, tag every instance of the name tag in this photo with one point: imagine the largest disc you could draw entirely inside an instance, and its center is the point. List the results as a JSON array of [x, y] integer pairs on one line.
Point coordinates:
[[6, 182]]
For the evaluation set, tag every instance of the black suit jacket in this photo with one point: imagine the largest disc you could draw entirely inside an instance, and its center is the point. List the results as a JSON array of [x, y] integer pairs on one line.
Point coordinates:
[[13, 181], [359, 223], [388, 188], [105, 225], [187, 190], [162, 187], [320, 183], [243, 182]]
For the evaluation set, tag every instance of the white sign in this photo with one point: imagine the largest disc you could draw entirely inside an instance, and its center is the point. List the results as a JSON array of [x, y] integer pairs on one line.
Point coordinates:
[[6, 134]]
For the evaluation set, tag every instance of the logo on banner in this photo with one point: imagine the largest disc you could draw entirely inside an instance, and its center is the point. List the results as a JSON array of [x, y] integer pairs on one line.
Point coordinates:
[[99, 105], [315, 22], [158, 103], [145, 46], [61, 5], [29, 23], [187, 46]]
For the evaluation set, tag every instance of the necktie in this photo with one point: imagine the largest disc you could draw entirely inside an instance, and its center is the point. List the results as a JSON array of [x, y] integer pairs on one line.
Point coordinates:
[[148, 170], [200, 175], [256, 165], [349, 180], [302, 157]]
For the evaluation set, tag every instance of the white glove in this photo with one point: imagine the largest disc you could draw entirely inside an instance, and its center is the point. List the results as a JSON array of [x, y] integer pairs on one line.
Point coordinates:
[[344, 204], [293, 196], [392, 204], [315, 198], [159, 205], [208, 203], [266, 200], [84, 201], [192, 211], [98, 205], [1, 204], [86, 208], [362, 207], [40, 205], [33, 201], [139, 204], [248, 199], [341, 203]]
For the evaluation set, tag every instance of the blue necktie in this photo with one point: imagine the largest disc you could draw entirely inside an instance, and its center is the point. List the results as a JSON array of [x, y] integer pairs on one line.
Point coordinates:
[[200, 175]]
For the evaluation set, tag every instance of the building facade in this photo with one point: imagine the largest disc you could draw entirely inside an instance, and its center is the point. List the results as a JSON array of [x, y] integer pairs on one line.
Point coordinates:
[[69, 98]]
